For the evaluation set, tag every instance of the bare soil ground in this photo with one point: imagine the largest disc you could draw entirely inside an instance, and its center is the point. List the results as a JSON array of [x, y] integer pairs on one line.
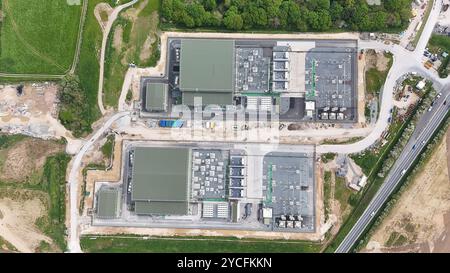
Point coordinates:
[[17, 224], [117, 40], [33, 113], [420, 220], [376, 60], [25, 158], [200, 232], [37, 100], [382, 62], [133, 12]]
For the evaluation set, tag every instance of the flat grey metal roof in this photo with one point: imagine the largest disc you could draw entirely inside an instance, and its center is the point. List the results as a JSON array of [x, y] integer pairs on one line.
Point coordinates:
[[156, 96], [160, 174], [107, 203], [161, 208], [208, 98], [289, 185], [207, 65]]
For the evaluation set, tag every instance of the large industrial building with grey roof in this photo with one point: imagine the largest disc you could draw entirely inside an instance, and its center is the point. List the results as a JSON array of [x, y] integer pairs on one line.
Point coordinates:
[[300, 80], [156, 97], [206, 71], [211, 185], [160, 180]]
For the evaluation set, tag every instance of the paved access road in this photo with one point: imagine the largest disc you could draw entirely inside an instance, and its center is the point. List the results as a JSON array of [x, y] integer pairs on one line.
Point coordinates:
[[74, 240]]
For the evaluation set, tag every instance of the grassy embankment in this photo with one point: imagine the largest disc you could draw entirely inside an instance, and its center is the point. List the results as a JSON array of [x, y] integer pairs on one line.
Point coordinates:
[[375, 78], [327, 193], [6, 246], [123, 243], [132, 46], [88, 68]]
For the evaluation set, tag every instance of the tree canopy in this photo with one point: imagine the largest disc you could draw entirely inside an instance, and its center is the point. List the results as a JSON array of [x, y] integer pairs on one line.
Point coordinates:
[[290, 15]]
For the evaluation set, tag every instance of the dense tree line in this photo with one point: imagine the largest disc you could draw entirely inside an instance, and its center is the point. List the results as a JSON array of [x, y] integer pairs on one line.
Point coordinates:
[[294, 15], [73, 113]]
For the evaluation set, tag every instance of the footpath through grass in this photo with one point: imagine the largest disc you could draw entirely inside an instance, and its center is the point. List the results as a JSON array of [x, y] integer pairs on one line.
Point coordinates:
[[123, 243], [38, 37]]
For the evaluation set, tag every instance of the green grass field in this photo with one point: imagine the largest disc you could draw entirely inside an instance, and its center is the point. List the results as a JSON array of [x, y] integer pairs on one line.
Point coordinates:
[[342, 192], [114, 244], [38, 37], [108, 148], [88, 66], [438, 43]]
